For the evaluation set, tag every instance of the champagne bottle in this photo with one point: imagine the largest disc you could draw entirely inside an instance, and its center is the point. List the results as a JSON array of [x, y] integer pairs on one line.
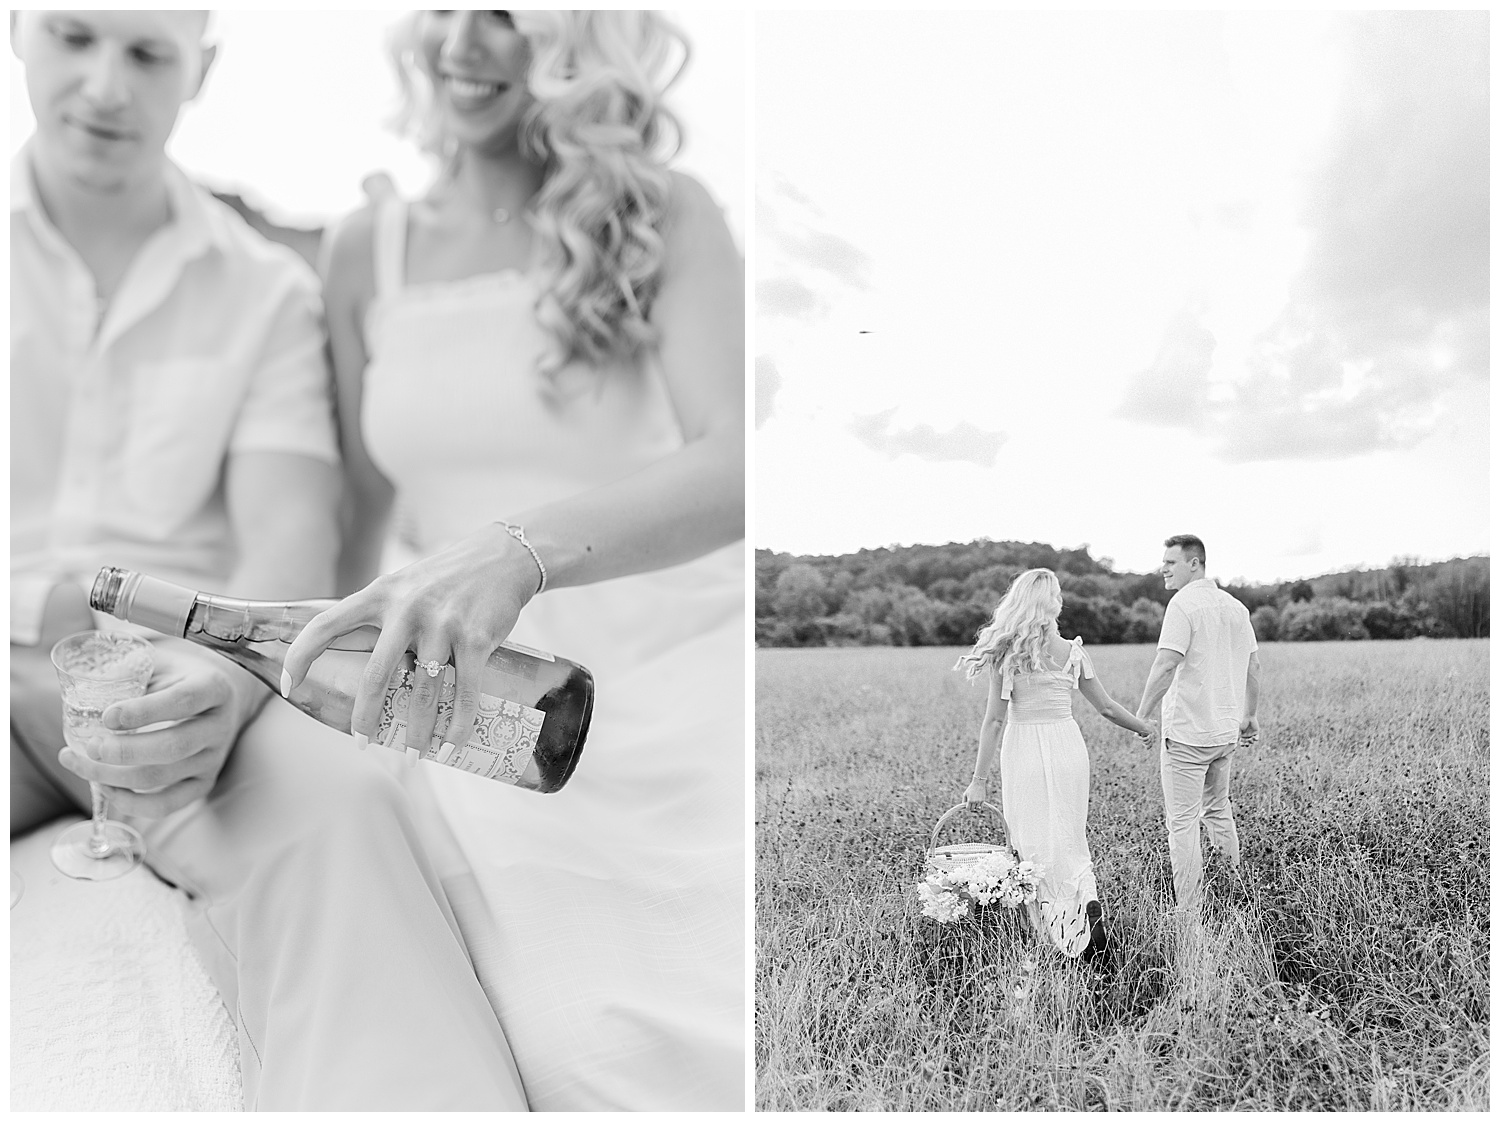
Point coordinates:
[[534, 709]]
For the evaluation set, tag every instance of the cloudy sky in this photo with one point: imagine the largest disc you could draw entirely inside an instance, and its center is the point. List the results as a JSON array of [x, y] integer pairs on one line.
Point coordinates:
[[294, 109], [1104, 277]]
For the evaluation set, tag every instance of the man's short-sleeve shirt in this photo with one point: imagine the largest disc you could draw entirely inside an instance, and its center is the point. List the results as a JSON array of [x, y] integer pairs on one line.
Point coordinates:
[[1211, 630], [121, 428]]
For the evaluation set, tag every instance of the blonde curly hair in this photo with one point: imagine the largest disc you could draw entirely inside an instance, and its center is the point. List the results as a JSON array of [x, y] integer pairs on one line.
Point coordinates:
[[1015, 639], [602, 134]]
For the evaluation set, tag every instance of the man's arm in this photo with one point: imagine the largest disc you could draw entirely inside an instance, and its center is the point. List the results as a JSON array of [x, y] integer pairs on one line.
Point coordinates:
[[282, 506], [1171, 649], [1250, 724], [1158, 681], [284, 510]]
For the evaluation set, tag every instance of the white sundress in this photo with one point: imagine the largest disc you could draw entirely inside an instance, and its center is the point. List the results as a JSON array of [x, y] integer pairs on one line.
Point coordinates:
[[1044, 782], [614, 942]]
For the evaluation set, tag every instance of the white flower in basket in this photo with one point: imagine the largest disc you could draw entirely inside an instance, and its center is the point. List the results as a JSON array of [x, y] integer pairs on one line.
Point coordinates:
[[974, 874]]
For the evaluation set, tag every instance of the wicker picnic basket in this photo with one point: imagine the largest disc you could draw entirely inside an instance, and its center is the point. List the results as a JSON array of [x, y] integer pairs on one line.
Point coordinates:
[[945, 858]]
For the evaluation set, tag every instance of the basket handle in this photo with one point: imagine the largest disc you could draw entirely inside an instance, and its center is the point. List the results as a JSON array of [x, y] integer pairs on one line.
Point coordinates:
[[948, 815]]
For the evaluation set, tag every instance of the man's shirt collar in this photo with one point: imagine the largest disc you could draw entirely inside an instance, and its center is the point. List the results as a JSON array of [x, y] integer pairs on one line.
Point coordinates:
[[199, 226]]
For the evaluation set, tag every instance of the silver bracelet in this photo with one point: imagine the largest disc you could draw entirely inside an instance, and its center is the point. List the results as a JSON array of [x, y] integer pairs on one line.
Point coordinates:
[[519, 534]]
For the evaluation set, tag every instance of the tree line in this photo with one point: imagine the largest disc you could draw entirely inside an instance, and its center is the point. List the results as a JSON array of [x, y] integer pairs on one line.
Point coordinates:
[[940, 595]]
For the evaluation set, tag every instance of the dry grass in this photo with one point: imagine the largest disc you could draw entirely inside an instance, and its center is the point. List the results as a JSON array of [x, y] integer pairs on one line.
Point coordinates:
[[1345, 967]]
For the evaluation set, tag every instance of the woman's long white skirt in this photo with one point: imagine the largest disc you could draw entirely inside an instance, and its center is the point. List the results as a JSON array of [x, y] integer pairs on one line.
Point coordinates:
[[615, 943], [1044, 781]]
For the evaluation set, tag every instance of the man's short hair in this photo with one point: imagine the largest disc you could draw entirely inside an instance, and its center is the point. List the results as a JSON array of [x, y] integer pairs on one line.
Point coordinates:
[[1192, 546]]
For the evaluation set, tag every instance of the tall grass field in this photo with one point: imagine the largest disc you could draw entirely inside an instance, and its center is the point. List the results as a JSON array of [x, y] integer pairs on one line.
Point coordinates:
[[1344, 966]]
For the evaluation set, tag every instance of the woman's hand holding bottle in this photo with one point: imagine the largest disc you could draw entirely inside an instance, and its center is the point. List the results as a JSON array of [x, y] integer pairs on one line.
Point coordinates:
[[456, 606]]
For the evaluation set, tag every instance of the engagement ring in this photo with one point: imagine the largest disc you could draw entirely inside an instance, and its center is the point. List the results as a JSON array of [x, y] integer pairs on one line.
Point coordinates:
[[432, 666]]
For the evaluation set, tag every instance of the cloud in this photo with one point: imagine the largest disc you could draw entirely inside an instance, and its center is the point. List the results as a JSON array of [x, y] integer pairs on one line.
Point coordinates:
[[962, 444], [1399, 211], [1173, 390], [767, 386], [1390, 312], [810, 264], [786, 296], [1313, 395], [783, 186], [1293, 433], [840, 258]]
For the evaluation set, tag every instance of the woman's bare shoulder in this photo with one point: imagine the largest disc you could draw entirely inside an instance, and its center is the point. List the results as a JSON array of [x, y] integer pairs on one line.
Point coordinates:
[[348, 258], [692, 210], [1060, 649], [686, 191]]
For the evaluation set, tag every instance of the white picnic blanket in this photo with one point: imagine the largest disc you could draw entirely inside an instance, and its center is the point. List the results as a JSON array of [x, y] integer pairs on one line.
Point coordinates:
[[110, 1008]]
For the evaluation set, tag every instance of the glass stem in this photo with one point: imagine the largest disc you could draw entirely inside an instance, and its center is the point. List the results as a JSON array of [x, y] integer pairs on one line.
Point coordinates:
[[98, 843]]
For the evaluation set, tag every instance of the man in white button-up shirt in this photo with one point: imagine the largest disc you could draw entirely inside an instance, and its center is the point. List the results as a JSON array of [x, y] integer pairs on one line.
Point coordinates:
[[1208, 671], [169, 403], [170, 412]]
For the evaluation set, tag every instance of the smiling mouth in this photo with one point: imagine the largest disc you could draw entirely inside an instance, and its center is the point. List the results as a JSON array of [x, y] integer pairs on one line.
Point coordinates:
[[471, 89]]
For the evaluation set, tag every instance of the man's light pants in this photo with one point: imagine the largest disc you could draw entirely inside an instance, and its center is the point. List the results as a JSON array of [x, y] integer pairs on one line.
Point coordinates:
[[1195, 787]]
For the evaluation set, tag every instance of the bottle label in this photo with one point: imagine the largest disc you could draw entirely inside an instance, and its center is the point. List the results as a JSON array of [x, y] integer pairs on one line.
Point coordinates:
[[503, 741]]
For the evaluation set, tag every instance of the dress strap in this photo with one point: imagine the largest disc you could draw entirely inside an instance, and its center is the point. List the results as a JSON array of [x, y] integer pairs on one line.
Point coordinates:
[[1079, 662], [390, 246]]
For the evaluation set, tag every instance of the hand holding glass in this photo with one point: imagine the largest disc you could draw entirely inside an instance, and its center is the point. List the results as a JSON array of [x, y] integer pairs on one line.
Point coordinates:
[[96, 669]]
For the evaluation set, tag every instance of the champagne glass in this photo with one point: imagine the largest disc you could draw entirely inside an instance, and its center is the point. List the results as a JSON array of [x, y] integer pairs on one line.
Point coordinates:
[[96, 669]]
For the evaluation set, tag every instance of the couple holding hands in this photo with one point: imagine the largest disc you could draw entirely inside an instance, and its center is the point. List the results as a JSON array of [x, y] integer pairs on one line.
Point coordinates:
[[520, 398], [1206, 678]]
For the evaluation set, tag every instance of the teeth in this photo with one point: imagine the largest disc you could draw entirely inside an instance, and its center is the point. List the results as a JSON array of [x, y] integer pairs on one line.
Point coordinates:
[[466, 88]]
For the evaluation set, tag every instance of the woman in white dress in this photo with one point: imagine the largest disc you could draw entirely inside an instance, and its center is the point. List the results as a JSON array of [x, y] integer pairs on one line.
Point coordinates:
[[1044, 766], [540, 369]]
